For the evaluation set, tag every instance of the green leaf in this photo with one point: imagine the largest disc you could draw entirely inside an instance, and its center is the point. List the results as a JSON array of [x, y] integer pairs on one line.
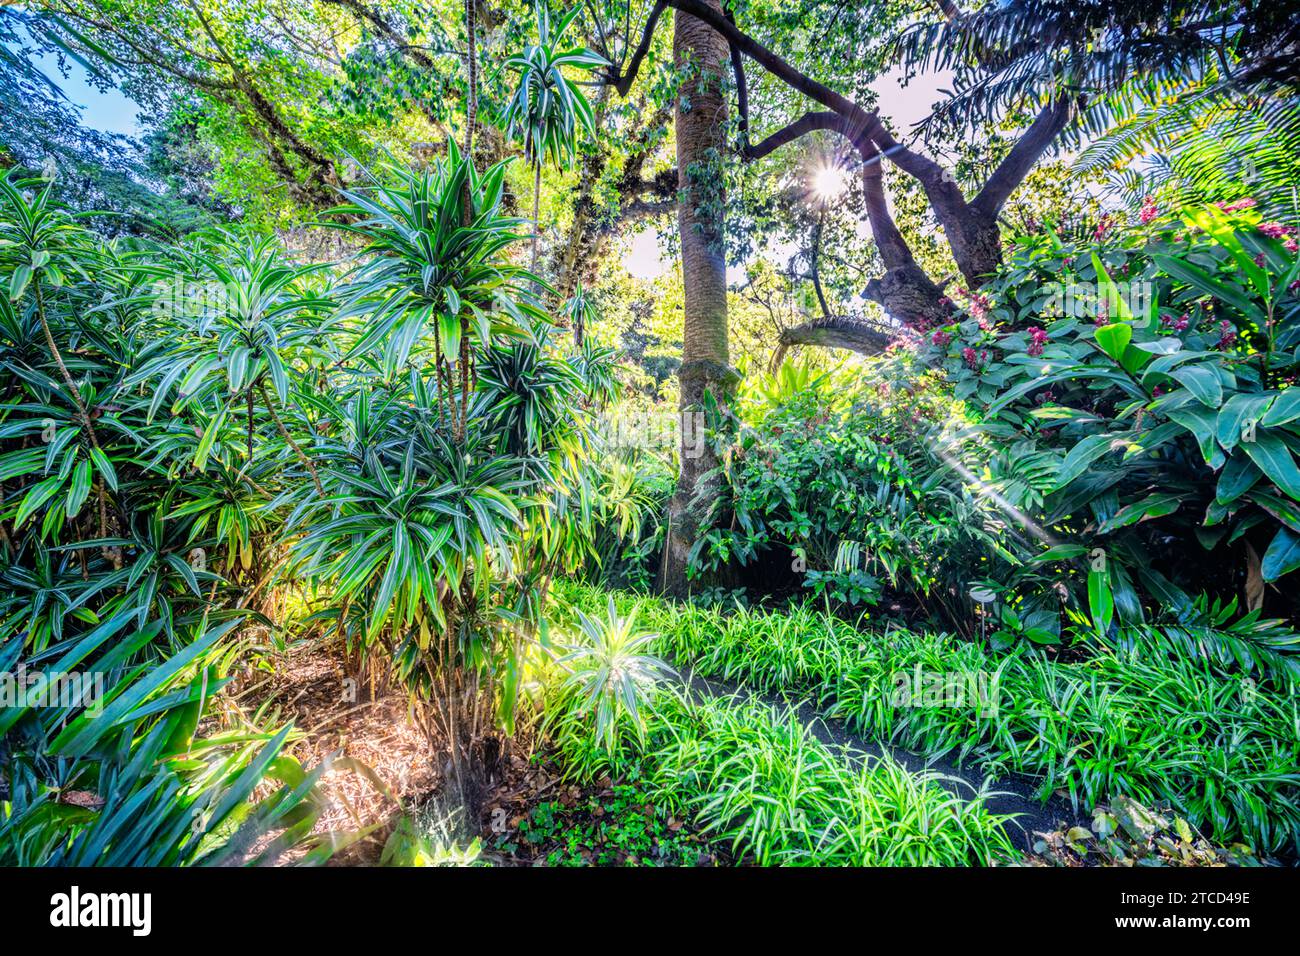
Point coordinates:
[[1283, 509], [1100, 601], [209, 436], [1202, 382], [1114, 339], [1200, 422], [1081, 456], [1109, 294], [1285, 409], [1061, 552], [1153, 506], [80, 489], [104, 467], [1236, 413], [18, 282], [1203, 282], [1274, 459], [198, 371], [36, 497], [1238, 477], [1282, 556]]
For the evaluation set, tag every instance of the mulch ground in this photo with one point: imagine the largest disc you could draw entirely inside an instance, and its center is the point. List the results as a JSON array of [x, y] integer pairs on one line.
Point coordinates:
[[371, 725], [338, 717]]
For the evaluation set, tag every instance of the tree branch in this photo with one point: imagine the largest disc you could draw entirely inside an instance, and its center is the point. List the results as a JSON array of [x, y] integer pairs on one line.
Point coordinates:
[[894, 250], [624, 83], [836, 332], [856, 134], [742, 97], [1023, 156]]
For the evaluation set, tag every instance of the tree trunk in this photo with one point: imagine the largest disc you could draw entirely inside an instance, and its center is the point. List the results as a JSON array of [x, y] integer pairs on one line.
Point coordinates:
[[905, 292], [701, 115]]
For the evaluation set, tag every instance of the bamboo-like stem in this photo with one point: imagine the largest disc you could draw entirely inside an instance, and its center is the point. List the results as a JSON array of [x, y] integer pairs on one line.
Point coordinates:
[[284, 433]]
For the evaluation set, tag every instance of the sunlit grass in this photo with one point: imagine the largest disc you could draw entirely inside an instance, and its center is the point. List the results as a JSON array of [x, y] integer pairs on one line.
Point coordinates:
[[1163, 731], [754, 778]]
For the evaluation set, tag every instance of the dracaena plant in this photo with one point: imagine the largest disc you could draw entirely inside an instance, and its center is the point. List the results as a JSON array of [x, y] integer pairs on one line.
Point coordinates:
[[241, 314], [547, 108], [42, 252], [452, 451], [434, 269], [118, 774], [102, 513]]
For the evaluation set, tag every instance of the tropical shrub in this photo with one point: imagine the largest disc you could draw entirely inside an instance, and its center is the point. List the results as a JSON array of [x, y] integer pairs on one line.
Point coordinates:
[[858, 489], [126, 779], [632, 489], [187, 432], [130, 550], [454, 448], [1148, 375]]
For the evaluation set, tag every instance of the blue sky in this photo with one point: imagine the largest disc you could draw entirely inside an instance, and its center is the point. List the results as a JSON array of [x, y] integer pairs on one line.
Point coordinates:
[[109, 112]]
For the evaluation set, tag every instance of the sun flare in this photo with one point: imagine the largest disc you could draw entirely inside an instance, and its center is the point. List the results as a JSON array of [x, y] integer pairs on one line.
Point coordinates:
[[830, 182]]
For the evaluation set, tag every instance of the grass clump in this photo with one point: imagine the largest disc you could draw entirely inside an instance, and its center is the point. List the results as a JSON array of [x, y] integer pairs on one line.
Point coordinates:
[[1219, 749], [754, 778]]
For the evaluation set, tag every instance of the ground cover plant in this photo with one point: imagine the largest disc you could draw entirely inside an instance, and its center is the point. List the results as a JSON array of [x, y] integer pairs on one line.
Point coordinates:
[[756, 780], [1165, 732]]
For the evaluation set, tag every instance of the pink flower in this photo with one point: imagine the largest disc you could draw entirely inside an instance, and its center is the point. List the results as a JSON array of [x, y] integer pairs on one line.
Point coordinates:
[[1227, 336], [1183, 322], [1038, 338], [974, 360], [1291, 246], [1237, 206], [1274, 230], [941, 338], [1149, 210], [1103, 227]]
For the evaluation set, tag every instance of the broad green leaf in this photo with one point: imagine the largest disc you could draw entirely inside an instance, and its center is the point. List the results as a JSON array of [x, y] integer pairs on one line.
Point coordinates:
[[1273, 457], [1081, 456], [1282, 556], [1202, 381], [1114, 339], [1285, 409]]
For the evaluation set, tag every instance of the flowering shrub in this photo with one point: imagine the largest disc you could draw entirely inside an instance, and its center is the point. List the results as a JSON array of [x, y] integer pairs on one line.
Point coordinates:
[[1156, 366]]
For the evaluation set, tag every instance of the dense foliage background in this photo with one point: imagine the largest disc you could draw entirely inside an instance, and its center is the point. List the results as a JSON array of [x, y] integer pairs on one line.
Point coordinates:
[[439, 338]]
